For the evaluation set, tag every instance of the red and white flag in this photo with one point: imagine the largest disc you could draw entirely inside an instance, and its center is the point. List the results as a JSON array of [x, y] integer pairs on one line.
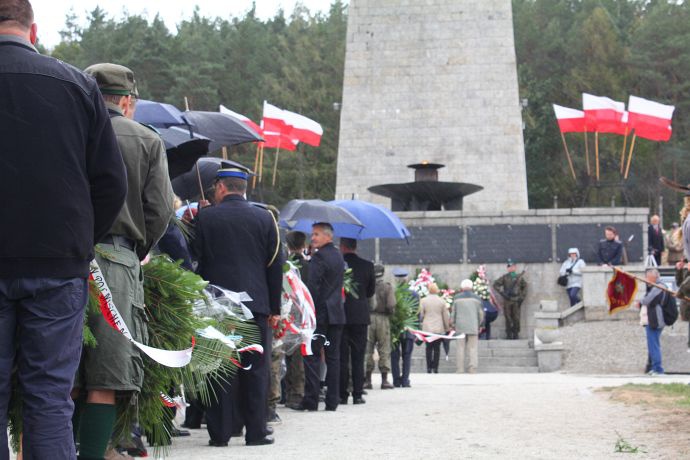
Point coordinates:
[[274, 119], [240, 117], [276, 140], [602, 114], [304, 129], [569, 120], [650, 120]]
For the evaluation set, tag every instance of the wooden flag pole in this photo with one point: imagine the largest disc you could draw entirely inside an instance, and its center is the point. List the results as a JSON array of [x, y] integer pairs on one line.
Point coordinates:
[[275, 165], [589, 172], [644, 280], [567, 154], [632, 146], [625, 142], [596, 152], [224, 152], [261, 164], [186, 103], [256, 164]]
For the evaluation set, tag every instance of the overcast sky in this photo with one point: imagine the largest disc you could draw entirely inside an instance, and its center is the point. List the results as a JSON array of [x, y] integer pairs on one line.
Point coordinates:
[[50, 14]]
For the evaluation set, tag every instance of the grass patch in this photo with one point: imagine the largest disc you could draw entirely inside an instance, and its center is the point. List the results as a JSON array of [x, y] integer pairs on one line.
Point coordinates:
[[679, 392]]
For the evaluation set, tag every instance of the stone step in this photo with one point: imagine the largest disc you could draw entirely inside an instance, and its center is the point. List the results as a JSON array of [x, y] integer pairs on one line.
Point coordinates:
[[499, 362], [507, 369], [506, 353], [522, 343]]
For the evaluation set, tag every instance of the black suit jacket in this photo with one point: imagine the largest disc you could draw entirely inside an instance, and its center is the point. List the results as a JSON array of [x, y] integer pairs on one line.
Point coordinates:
[[357, 310], [234, 244], [325, 284], [655, 240]]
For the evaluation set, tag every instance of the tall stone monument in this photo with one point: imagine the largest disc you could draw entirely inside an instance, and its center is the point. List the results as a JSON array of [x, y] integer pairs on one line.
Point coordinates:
[[436, 81]]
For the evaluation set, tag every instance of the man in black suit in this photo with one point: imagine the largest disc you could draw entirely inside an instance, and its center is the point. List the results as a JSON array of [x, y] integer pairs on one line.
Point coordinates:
[[353, 345], [325, 284], [238, 248], [655, 239]]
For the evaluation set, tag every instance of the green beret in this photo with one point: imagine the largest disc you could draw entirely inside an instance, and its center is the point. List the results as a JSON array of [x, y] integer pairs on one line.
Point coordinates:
[[114, 79]]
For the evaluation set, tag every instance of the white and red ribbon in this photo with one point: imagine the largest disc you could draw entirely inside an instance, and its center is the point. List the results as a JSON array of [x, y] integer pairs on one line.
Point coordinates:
[[429, 337], [212, 333], [168, 358], [298, 293]]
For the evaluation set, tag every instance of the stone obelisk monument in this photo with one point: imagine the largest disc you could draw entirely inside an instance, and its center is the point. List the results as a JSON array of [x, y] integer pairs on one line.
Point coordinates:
[[432, 80]]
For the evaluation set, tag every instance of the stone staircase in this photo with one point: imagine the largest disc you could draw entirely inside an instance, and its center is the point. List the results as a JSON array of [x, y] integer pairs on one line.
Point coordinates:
[[495, 356]]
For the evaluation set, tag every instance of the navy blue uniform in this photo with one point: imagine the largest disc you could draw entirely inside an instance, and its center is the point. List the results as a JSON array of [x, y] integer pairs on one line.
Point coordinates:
[[610, 252], [235, 244], [325, 284]]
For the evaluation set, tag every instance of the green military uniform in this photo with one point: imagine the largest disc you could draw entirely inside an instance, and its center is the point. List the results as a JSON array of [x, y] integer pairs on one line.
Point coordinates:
[[512, 288], [379, 334], [116, 364]]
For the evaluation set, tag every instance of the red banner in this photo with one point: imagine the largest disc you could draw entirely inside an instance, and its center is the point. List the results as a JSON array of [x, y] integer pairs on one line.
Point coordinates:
[[621, 291]]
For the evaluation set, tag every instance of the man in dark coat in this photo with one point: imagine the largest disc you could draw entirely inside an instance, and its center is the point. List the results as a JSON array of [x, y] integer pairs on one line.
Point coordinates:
[[238, 248], [610, 250], [325, 284], [353, 345], [655, 239]]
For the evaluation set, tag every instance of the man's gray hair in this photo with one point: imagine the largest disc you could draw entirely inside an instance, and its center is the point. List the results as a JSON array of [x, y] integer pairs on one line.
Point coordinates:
[[653, 271]]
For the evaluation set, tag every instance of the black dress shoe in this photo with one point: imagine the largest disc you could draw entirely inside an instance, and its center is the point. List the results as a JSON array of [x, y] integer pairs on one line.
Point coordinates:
[[301, 407], [261, 442], [213, 443], [179, 433], [331, 408], [364, 392], [359, 400], [343, 400], [268, 430]]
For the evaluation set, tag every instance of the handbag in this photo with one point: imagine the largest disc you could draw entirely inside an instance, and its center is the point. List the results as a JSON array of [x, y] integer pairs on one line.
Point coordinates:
[[563, 279]]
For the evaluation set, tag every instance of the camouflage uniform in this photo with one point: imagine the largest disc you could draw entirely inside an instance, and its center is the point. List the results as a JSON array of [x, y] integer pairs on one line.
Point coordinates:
[[380, 327], [513, 289]]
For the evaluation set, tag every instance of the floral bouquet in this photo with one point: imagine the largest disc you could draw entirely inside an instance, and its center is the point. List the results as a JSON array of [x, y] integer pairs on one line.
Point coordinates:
[[480, 283], [421, 284]]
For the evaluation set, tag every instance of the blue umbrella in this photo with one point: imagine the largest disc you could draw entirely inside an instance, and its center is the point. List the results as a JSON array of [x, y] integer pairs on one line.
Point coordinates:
[[158, 114], [378, 222]]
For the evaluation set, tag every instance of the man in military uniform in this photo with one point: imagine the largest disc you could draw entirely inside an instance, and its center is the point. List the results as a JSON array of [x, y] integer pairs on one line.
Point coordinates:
[[403, 348], [325, 283], [116, 365], [64, 183], [237, 246], [512, 287], [383, 306], [354, 341]]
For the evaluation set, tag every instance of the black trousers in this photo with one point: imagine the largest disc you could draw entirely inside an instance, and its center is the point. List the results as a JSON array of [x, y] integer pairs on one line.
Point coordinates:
[[311, 368], [244, 395], [353, 347], [433, 351]]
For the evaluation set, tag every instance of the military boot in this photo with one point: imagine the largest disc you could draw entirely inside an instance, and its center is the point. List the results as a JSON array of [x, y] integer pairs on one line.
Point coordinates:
[[367, 381], [384, 382]]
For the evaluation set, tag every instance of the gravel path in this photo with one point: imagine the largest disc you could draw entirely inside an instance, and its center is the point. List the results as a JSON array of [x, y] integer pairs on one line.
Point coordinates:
[[534, 416]]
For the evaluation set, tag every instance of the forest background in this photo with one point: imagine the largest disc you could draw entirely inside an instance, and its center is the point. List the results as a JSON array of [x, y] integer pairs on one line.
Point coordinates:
[[611, 48]]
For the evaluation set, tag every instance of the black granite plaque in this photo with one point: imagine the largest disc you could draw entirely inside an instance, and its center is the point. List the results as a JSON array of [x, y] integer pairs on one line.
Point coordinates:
[[498, 243], [427, 245], [366, 249], [586, 238]]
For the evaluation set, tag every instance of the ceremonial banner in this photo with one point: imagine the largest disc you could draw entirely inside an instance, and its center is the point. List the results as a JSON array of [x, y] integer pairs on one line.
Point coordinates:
[[169, 358], [603, 114], [621, 291]]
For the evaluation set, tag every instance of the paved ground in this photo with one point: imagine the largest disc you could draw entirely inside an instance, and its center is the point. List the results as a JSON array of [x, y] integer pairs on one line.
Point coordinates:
[[518, 416]]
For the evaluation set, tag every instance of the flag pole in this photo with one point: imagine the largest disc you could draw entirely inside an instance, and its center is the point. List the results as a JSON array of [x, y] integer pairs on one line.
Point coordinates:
[[596, 152], [224, 151], [644, 280], [589, 172], [275, 165], [256, 164], [632, 146], [261, 164], [567, 154], [201, 186], [625, 142], [186, 103]]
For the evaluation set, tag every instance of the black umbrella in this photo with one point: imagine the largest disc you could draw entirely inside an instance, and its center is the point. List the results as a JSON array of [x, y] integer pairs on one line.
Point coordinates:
[[221, 128], [189, 186], [183, 150], [315, 211]]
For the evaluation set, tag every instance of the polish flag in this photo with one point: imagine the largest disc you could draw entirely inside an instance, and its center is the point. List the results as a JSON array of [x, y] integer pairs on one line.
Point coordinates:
[[603, 114], [240, 117], [569, 120], [649, 119], [274, 140], [304, 129], [274, 119], [623, 128]]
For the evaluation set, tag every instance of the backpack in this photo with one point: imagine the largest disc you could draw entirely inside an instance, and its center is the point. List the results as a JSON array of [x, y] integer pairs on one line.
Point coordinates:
[[669, 307]]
